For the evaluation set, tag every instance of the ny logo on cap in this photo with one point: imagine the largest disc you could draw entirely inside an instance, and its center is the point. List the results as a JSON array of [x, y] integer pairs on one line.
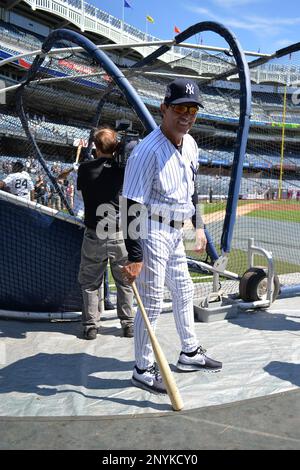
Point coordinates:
[[189, 88]]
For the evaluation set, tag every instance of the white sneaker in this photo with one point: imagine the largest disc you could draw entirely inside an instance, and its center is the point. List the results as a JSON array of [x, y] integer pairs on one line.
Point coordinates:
[[198, 362], [148, 379]]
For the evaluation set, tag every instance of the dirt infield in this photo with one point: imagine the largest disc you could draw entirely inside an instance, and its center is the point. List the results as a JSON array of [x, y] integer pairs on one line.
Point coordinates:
[[220, 215], [278, 206], [242, 210], [246, 208]]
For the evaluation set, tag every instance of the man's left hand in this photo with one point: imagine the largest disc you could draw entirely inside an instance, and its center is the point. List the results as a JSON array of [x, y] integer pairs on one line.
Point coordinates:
[[201, 241], [131, 271]]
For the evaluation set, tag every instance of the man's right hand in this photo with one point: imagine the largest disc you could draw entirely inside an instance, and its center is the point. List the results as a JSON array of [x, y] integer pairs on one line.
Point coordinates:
[[131, 271]]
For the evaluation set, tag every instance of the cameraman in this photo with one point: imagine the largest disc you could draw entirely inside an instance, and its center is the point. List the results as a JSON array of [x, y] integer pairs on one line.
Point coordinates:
[[100, 182]]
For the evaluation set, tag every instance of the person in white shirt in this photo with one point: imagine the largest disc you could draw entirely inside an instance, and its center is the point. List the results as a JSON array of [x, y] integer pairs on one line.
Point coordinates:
[[71, 175], [19, 182]]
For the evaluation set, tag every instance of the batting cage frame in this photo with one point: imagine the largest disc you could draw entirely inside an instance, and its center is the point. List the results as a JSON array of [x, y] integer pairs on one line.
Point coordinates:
[[285, 284], [122, 80], [139, 107]]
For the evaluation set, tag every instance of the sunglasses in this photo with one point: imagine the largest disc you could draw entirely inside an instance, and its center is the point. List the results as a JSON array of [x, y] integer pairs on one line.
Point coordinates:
[[182, 109]]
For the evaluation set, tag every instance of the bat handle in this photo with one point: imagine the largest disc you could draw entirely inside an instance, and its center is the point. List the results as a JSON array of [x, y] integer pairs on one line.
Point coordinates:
[[161, 360], [78, 153]]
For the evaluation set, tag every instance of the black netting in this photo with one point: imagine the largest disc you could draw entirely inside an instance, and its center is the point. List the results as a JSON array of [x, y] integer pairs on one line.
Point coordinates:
[[40, 257], [61, 106]]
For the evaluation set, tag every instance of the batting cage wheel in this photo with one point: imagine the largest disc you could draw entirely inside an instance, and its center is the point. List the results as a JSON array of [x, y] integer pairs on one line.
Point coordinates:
[[254, 282]]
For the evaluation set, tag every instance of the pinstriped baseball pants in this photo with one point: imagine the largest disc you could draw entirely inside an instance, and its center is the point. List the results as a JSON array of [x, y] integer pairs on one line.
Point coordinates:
[[164, 264]]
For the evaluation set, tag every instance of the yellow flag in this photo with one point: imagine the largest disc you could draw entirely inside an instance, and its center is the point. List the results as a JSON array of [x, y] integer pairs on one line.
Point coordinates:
[[150, 19]]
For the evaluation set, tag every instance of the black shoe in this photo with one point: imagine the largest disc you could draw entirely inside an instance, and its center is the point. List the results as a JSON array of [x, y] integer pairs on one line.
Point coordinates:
[[148, 379], [90, 333], [128, 331], [198, 361], [108, 305]]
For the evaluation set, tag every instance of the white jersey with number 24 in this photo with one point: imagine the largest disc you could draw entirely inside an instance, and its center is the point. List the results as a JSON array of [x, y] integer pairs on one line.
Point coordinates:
[[20, 184]]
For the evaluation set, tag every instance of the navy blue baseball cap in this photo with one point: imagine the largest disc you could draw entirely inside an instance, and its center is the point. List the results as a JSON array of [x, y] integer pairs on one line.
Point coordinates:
[[182, 90], [17, 166]]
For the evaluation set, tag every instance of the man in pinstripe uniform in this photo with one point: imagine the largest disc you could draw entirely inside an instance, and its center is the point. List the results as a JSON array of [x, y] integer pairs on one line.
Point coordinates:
[[160, 176]]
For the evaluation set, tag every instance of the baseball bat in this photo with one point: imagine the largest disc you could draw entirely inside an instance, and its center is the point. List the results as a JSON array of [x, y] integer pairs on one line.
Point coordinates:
[[169, 381], [78, 153]]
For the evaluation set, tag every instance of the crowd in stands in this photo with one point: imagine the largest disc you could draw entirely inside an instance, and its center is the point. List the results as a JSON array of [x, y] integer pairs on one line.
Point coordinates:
[[44, 192], [251, 188], [42, 128], [266, 107], [217, 185], [19, 36], [259, 160], [219, 104], [62, 133]]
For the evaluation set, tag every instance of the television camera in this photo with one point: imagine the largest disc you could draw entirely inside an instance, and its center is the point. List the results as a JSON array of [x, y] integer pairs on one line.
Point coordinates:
[[127, 141]]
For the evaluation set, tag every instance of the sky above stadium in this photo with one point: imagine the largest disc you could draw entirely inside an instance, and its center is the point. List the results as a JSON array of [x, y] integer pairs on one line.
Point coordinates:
[[260, 25]]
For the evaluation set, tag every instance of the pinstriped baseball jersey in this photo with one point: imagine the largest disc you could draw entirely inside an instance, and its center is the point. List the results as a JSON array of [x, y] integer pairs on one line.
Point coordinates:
[[157, 175]]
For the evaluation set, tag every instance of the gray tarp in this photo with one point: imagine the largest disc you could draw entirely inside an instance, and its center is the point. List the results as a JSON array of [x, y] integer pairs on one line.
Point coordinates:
[[48, 370]]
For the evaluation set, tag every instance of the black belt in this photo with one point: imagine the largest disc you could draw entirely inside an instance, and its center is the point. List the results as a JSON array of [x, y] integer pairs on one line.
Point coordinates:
[[162, 220]]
